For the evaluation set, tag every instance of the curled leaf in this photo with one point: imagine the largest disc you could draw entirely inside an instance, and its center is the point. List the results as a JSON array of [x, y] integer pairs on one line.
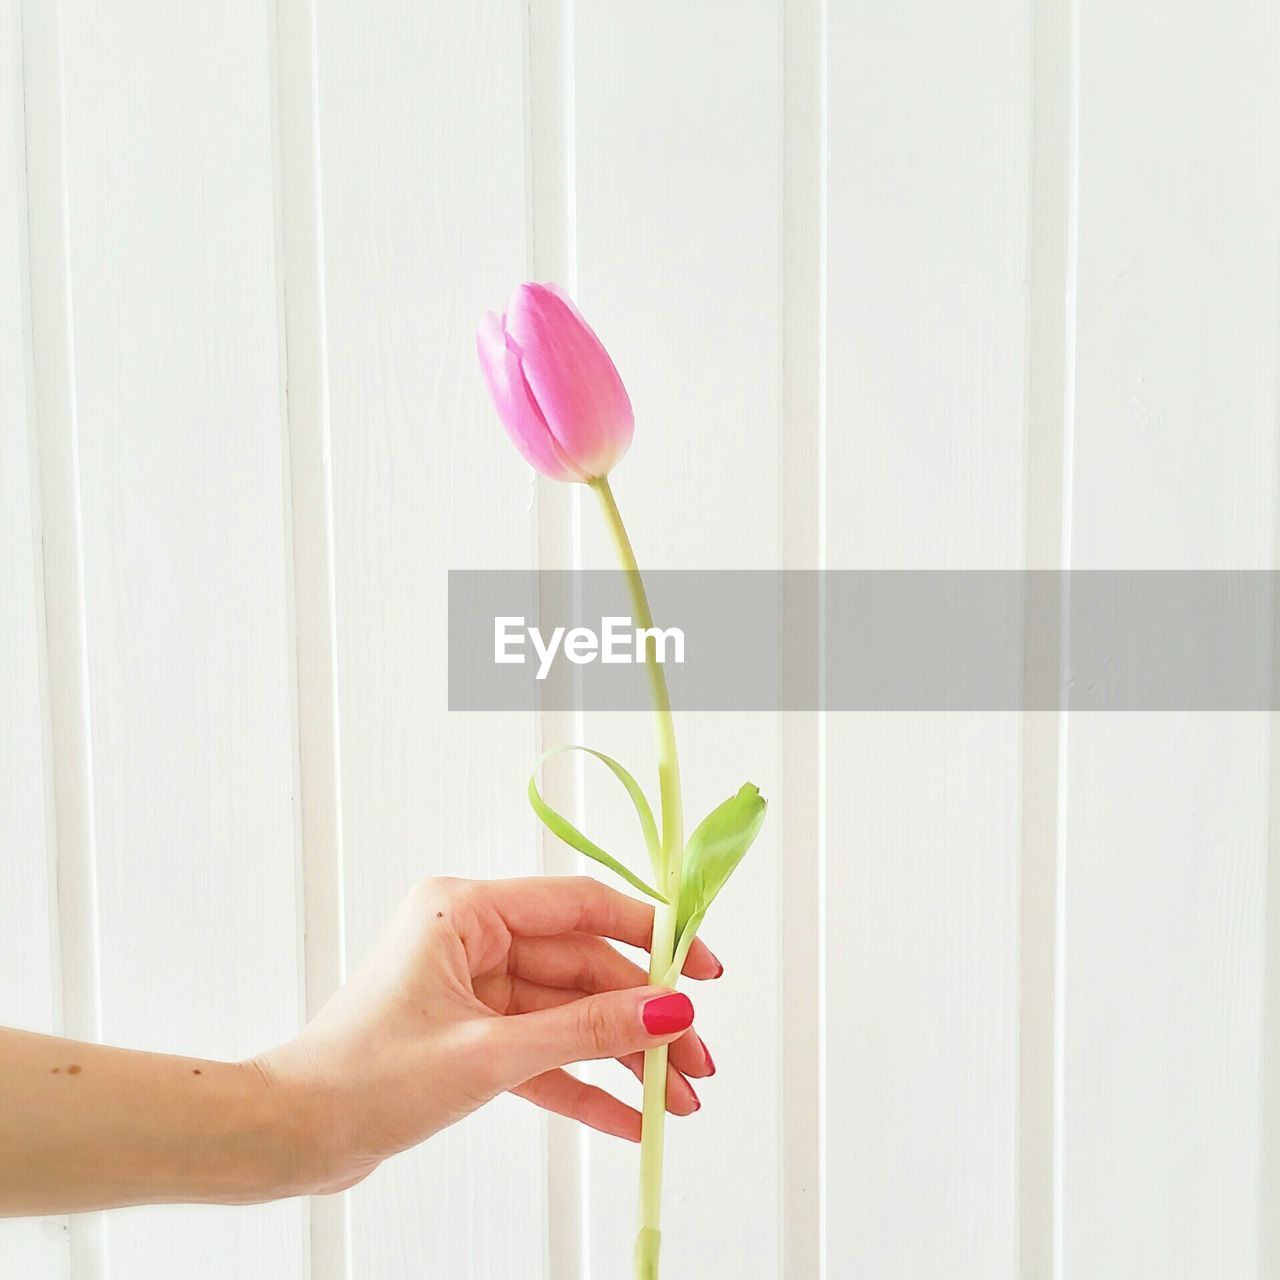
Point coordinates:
[[560, 826]]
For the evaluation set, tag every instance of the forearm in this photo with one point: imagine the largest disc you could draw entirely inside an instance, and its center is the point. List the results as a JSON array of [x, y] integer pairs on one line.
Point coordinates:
[[89, 1127]]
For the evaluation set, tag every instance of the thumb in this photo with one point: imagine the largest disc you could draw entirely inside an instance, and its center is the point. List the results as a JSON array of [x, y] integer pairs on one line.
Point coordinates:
[[607, 1025]]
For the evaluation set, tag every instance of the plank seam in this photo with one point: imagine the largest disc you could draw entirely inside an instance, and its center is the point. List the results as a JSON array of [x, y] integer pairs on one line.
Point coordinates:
[[823, 532], [55, 1010], [1068, 466], [1041, 746], [311, 588], [801, 484], [66, 658], [557, 533]]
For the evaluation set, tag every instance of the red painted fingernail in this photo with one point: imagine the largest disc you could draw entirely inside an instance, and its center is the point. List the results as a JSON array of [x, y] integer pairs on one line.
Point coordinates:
[[667, 1014], [711, 1064]]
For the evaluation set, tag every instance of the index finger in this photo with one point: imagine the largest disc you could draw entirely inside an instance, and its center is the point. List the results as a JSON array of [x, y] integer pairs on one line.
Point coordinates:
[[541, 906]]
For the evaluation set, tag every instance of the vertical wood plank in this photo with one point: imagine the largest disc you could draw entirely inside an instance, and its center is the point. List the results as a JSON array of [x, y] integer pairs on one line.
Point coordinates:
[[804, 176], [29, 995], [69, 753], [928, 186], [678, 113], [172, 277], [1175, 456], [559, 509], [26, 901], [319, 783], [1269, 1164], [1049, 260], [423, 183]]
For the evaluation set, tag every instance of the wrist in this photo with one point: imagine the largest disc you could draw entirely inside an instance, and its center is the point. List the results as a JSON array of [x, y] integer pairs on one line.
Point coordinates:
[[301, 1124], [275, 1155]]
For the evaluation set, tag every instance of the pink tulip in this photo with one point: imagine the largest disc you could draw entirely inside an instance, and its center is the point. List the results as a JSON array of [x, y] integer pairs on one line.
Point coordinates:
[[554, 386]]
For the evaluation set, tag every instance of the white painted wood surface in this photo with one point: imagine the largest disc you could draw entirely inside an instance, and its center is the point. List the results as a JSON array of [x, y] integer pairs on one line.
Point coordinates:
[[427, 102], [180, 446], [891, 286], [1174, 451], [705, 382], [29, 988], [927, 216]]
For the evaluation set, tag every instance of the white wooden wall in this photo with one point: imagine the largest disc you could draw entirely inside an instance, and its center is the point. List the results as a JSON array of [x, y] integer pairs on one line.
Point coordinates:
[[910, 285]]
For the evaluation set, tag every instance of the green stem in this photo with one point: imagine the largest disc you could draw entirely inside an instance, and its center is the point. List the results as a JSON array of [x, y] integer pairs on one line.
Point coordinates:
[[662, 949]]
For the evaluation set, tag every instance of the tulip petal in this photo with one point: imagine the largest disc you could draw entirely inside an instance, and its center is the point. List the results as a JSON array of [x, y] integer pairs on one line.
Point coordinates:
[[571, 377], [516, 406], [551, 287]]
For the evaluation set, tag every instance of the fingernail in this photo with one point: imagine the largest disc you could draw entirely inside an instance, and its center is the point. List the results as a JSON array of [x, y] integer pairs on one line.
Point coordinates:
[[711, 1064], [667, 1014]]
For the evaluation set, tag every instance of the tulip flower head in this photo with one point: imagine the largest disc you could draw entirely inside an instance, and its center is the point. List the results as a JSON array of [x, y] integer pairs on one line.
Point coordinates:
[[554, 386]]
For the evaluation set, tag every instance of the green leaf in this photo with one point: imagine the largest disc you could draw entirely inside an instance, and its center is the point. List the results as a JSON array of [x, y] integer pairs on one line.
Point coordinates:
[[714, 850], [560, 826]]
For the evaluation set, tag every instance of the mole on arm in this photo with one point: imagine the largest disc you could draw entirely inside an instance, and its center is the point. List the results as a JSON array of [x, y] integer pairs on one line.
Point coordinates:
[[195, 1071], [55, 1070], [73, 1069], [439, 915]]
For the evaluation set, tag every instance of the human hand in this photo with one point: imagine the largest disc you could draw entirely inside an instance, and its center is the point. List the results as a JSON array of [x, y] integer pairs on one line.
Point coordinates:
[[479, 988]]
